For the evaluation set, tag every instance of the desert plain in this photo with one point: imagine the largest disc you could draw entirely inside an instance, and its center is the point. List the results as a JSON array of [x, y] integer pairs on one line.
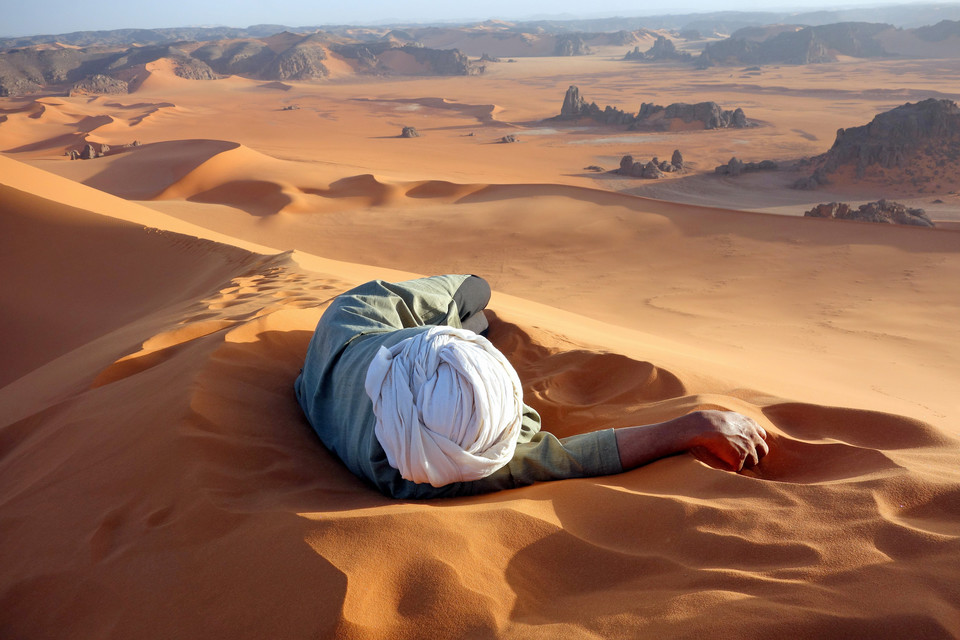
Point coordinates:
[[157, 478]]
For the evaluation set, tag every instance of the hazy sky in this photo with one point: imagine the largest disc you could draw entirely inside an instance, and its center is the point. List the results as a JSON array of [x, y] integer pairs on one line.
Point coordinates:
[[33, 17]]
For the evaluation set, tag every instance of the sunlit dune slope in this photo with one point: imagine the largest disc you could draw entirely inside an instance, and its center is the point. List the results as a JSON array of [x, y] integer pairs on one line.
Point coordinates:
[[154, 460]]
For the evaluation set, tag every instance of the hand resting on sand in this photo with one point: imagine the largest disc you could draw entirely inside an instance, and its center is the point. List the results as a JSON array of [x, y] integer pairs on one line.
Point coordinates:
[[732, 439]]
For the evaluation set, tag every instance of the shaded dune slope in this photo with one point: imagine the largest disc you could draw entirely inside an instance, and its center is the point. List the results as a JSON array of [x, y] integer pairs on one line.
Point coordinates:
[[169, 445]]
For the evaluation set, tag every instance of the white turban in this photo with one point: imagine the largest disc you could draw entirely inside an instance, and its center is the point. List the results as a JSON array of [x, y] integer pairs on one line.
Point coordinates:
[[448, 406]]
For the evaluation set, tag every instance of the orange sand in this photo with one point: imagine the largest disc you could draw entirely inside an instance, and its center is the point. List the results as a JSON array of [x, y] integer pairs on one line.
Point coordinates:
[[157, 478]]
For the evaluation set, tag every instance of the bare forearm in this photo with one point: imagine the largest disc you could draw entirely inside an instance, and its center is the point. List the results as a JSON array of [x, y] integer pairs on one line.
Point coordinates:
[[729, 437], [643, 444]]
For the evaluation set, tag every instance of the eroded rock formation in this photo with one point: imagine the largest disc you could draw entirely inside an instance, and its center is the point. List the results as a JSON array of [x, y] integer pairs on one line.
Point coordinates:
[[652, 116], [662, 49], [652, 169], [735, 167], [882, 211], [914, 141], [99, 84]]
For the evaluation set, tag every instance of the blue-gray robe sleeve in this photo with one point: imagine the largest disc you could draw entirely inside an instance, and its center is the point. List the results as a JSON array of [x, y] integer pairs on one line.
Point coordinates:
[[330, 389]]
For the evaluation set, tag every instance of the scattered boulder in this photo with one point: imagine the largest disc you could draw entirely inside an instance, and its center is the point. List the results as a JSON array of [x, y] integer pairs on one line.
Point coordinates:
[[881, 211], [651, 170], [735, 167], [89, 152], [409, 132], [510, 137], [290, 107], [739, 119], [677, 160]]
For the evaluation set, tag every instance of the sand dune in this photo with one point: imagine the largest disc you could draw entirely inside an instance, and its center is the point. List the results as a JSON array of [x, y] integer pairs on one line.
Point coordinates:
[[165, 400], [157, 478]]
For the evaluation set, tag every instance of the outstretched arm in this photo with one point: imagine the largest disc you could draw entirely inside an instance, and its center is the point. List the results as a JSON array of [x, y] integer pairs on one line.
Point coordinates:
[[733, 439]]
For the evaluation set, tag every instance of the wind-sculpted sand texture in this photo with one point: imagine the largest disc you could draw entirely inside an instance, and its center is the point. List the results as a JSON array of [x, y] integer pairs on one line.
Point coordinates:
[[157, 478]]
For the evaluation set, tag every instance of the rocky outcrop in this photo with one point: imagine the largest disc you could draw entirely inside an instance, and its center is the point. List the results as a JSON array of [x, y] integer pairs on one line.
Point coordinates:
[[193, 69], [573, 105], [99, 85], [939, 32], [298, 63], [89, 151], [652, 116], [882, 211], [677, 159], [246, 57], [444, 62], [662, 49], [735, 167], [24, 71], [439, 62], [510, 137], [652, 169], [409, 132], [571, 44], [894, 140]]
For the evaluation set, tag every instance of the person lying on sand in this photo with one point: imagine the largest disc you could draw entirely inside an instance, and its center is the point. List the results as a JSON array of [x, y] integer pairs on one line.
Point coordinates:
[[401, 384]]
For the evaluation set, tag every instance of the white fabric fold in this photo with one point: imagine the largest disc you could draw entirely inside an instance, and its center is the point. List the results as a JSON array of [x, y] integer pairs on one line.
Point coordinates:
[[448, 406]]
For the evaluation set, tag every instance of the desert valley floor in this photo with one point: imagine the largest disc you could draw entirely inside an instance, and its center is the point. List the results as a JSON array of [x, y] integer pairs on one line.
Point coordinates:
[[157, 478]]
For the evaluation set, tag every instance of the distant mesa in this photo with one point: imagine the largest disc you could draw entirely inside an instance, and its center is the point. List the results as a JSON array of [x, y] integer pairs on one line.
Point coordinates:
[[882, 211], [798, 44], [915, 142], [662, 49], [409, 132], [652, 117], [369, 57], [486, 57], [652, 169]]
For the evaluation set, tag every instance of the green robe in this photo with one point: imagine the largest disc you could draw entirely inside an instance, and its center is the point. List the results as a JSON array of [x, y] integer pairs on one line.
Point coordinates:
[[330, 389]]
